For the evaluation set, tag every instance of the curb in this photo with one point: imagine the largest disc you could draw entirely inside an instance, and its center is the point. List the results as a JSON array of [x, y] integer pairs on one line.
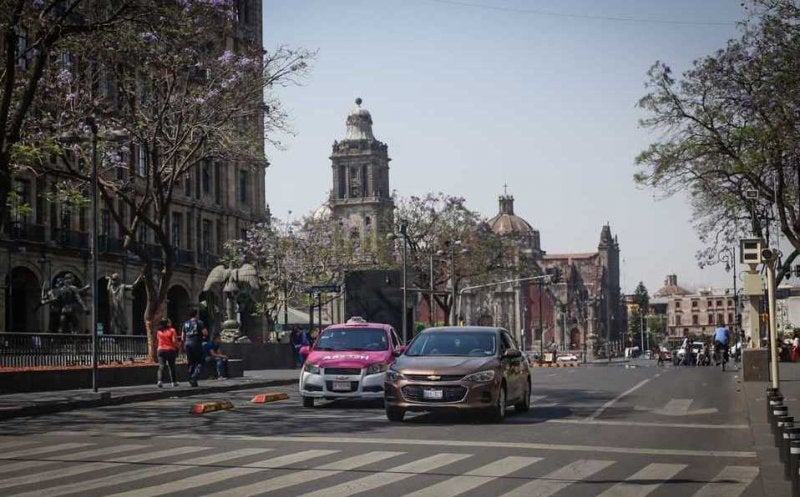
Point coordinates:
[[103, 399]]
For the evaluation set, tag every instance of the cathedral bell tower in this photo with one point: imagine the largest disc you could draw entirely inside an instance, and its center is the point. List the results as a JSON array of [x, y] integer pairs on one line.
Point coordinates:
[[360, 196]]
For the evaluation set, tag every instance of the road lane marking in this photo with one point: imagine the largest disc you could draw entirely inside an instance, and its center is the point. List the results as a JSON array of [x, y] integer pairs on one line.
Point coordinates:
[[388, 477], [584, 421], [644, 481], [559, 479], [74, 456], [287, 460], [678, 407], [611, 402], [457, 485], [305, 476], [140, 474], [730, 482], [41, 450], [10, 444]]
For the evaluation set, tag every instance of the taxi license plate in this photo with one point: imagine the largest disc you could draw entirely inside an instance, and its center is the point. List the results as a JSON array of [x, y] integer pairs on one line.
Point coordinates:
[[341, 386], [432, 394]]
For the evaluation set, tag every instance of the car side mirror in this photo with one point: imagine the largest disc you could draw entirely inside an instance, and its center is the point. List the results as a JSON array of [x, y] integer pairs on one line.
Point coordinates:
[[305, 350], [512, 353], [399, 350]]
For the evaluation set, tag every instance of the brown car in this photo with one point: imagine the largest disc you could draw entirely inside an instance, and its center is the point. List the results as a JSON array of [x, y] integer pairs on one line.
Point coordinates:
[[473, 367]]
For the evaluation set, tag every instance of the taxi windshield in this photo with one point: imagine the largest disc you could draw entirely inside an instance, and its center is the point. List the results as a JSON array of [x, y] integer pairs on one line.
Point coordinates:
[[453, 343], [367, 339]]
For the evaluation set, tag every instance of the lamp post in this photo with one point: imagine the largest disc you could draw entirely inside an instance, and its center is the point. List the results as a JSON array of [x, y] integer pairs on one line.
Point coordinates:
[[728, 256], [404, 234], [93, 125], [541, 325]]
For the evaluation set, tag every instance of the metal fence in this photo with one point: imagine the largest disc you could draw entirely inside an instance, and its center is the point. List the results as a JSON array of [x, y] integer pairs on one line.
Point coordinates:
[[52, 349]]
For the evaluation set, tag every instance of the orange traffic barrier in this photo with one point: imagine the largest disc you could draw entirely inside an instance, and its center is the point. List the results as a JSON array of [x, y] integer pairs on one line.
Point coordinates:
[[205, 407], [269, 397]]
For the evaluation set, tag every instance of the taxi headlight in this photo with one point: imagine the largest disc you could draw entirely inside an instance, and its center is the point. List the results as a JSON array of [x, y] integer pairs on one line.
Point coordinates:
[[487, 375], [378, 367], [394, 375], [311, 368]]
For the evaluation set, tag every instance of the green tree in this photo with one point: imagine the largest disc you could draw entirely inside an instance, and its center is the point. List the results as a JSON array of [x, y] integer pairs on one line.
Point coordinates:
[[639, 308], [730, 128]]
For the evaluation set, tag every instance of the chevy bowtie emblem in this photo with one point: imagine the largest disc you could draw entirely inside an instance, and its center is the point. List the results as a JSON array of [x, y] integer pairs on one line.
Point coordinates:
[[433, 377]]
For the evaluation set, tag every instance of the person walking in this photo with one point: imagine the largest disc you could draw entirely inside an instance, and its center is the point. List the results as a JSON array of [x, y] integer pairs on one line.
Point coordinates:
[[192, 338], [168, 347], [796, 348]]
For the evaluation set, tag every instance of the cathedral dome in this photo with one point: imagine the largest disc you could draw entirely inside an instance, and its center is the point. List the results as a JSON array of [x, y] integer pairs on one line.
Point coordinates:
[[323, 212], [359, 124], [508, 223]]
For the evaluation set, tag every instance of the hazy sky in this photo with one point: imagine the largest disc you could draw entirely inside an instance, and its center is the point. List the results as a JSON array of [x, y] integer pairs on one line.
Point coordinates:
[[538, 94]]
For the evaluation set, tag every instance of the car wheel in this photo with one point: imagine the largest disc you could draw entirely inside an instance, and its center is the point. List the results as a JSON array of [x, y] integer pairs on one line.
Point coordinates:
[[395, 415], [498, 412], [524, 405], [308, 401]]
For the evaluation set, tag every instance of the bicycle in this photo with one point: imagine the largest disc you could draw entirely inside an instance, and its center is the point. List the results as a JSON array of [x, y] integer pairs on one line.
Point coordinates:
[[720, 355]]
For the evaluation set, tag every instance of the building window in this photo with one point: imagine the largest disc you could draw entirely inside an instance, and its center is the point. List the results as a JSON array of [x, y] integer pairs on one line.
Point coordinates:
[[710, 319], [187, 184], [143, 234], [177, 221], [218, 183], [21, 202], [730, 303], [364, 182], [342, 182], [730, 318], [244, 11], [719, 303], [206, 173], [677, 320], [720, 319], [220, 236], [22, 48], [198, 176], [105, 223], [244, 185], [695, 319], [206, 236], [142, 160], [677, 304], [694, 304], [189, 238]]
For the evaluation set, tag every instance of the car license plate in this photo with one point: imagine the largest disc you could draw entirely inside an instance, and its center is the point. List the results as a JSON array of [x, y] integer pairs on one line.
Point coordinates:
[[432, 394], [341, 386]]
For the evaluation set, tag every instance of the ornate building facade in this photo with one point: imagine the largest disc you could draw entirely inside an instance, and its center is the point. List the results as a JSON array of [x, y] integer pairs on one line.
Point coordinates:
[[217, 202]]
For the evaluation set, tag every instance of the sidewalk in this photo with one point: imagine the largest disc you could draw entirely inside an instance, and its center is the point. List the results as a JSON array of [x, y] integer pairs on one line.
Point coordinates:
[[771, 468], [37, 403]]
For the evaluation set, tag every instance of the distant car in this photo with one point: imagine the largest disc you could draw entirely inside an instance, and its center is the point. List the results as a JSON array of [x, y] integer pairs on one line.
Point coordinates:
[[666, 354], [567, 358]]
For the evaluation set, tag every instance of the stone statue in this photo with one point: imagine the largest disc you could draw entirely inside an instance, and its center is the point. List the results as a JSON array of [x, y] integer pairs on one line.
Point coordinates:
[[232, 281], [116, 303], [69, 299]]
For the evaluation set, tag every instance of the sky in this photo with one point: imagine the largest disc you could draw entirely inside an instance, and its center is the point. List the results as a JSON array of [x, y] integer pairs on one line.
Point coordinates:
[[469, 96]]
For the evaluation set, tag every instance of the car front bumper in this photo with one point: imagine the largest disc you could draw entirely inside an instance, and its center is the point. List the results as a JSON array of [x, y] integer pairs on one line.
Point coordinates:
[[458, 395], [324, 386]]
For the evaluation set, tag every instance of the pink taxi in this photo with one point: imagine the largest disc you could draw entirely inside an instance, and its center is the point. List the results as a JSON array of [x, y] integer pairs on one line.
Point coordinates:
[[348, 361]]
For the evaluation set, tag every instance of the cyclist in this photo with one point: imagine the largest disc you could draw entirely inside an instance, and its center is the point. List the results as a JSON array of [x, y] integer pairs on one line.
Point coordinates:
[[721, 338]]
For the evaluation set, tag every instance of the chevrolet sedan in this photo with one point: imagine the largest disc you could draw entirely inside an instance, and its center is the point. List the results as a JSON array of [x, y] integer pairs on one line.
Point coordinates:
[[459, 368]]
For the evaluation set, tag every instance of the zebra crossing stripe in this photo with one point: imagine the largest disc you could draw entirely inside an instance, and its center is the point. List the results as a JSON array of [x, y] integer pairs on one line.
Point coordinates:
[[559, 479], [475, 478], [140, 474], [393, 475], [54, 474], [10, 444], [644, 481], [730, 482], [75, 456], [150, 456], [210, 478], [41, 450], [300, 477]]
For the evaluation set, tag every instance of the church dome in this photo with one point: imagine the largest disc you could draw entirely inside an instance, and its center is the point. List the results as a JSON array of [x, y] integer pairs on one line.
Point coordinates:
[[359, 124], [508, 223], [322, 213]]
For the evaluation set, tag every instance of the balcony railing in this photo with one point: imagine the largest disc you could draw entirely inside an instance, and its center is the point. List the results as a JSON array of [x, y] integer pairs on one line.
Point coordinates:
[[52, 349], [19, 230]]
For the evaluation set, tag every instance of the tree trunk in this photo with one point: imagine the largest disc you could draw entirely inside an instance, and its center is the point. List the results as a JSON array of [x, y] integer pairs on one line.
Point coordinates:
[[152, 313]]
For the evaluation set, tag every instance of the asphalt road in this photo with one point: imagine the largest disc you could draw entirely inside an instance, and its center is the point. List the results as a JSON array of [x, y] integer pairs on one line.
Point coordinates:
[[609, 431]]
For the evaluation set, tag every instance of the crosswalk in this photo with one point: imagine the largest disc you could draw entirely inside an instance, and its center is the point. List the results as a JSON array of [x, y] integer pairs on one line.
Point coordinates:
[[146, 468]]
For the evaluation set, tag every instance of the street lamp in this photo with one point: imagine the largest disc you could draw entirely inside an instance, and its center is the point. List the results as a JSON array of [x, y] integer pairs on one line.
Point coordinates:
[[451, 245], [728, 256], [404, 317]]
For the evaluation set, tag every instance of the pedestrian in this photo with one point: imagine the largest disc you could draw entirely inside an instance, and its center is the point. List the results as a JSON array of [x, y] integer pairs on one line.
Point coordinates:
[[192, 336], [299, 339], [215, 356], [168, 347], [660, 357], [796, 348]]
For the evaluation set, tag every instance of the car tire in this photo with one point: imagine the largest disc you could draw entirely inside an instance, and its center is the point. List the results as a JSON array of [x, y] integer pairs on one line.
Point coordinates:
[[524, 405], [308, 401], [498, 412], [395, 415]]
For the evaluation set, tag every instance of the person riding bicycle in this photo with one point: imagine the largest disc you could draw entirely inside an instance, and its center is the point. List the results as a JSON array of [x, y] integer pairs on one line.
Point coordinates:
[[721, 338]]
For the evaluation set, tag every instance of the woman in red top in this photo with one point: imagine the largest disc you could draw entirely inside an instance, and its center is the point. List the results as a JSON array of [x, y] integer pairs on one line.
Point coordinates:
[[167, 351]]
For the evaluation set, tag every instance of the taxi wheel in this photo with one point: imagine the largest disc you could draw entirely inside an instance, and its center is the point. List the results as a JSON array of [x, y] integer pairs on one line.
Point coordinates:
[[395, 415], [308, 401]]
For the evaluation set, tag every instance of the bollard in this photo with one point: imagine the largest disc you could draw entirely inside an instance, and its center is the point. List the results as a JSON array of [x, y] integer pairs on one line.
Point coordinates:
[[779, 410], [794, 467], [782, 422], [775, 400], [789, 434]]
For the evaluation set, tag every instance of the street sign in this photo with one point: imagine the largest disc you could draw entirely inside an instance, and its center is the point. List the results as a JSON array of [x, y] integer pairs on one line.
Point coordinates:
[[324, 289]]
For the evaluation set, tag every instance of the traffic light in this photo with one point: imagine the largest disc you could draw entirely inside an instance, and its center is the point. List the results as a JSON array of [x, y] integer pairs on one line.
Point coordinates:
[[738, 319]]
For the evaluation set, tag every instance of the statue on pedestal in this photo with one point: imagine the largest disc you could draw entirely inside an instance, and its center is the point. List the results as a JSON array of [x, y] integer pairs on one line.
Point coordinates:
[[234, 282], [118, 322], [68, 299]]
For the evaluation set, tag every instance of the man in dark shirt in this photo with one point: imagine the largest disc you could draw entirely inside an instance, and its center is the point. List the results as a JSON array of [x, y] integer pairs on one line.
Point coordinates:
[[214, 355], [192, 338]]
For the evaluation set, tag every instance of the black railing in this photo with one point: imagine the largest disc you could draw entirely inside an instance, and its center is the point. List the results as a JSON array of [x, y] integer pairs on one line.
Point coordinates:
[[73, 239], [110, 245], [52, 349], [184, 257], [19, 230]]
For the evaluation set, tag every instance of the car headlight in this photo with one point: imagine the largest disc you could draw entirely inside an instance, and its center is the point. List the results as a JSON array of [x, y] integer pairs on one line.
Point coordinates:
[[378, 367], [394, 375], [311, 368], [487, 375]]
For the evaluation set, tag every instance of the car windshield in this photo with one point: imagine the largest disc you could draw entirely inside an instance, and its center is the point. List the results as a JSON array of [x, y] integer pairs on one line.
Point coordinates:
[[352, 339], [454, 343]]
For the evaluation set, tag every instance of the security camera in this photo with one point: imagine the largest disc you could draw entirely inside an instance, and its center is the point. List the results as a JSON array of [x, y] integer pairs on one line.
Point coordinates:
[[768, 255]]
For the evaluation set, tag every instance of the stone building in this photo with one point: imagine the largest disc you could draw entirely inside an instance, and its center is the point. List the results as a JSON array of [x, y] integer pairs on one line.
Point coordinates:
[[217, 202], [360, 165], [696, 313]]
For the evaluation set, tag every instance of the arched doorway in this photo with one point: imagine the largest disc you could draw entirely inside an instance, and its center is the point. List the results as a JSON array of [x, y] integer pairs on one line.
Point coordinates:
[[22, 301], [575, 338], [178, 305], [139, 295], [55, 310], [103, 311]]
